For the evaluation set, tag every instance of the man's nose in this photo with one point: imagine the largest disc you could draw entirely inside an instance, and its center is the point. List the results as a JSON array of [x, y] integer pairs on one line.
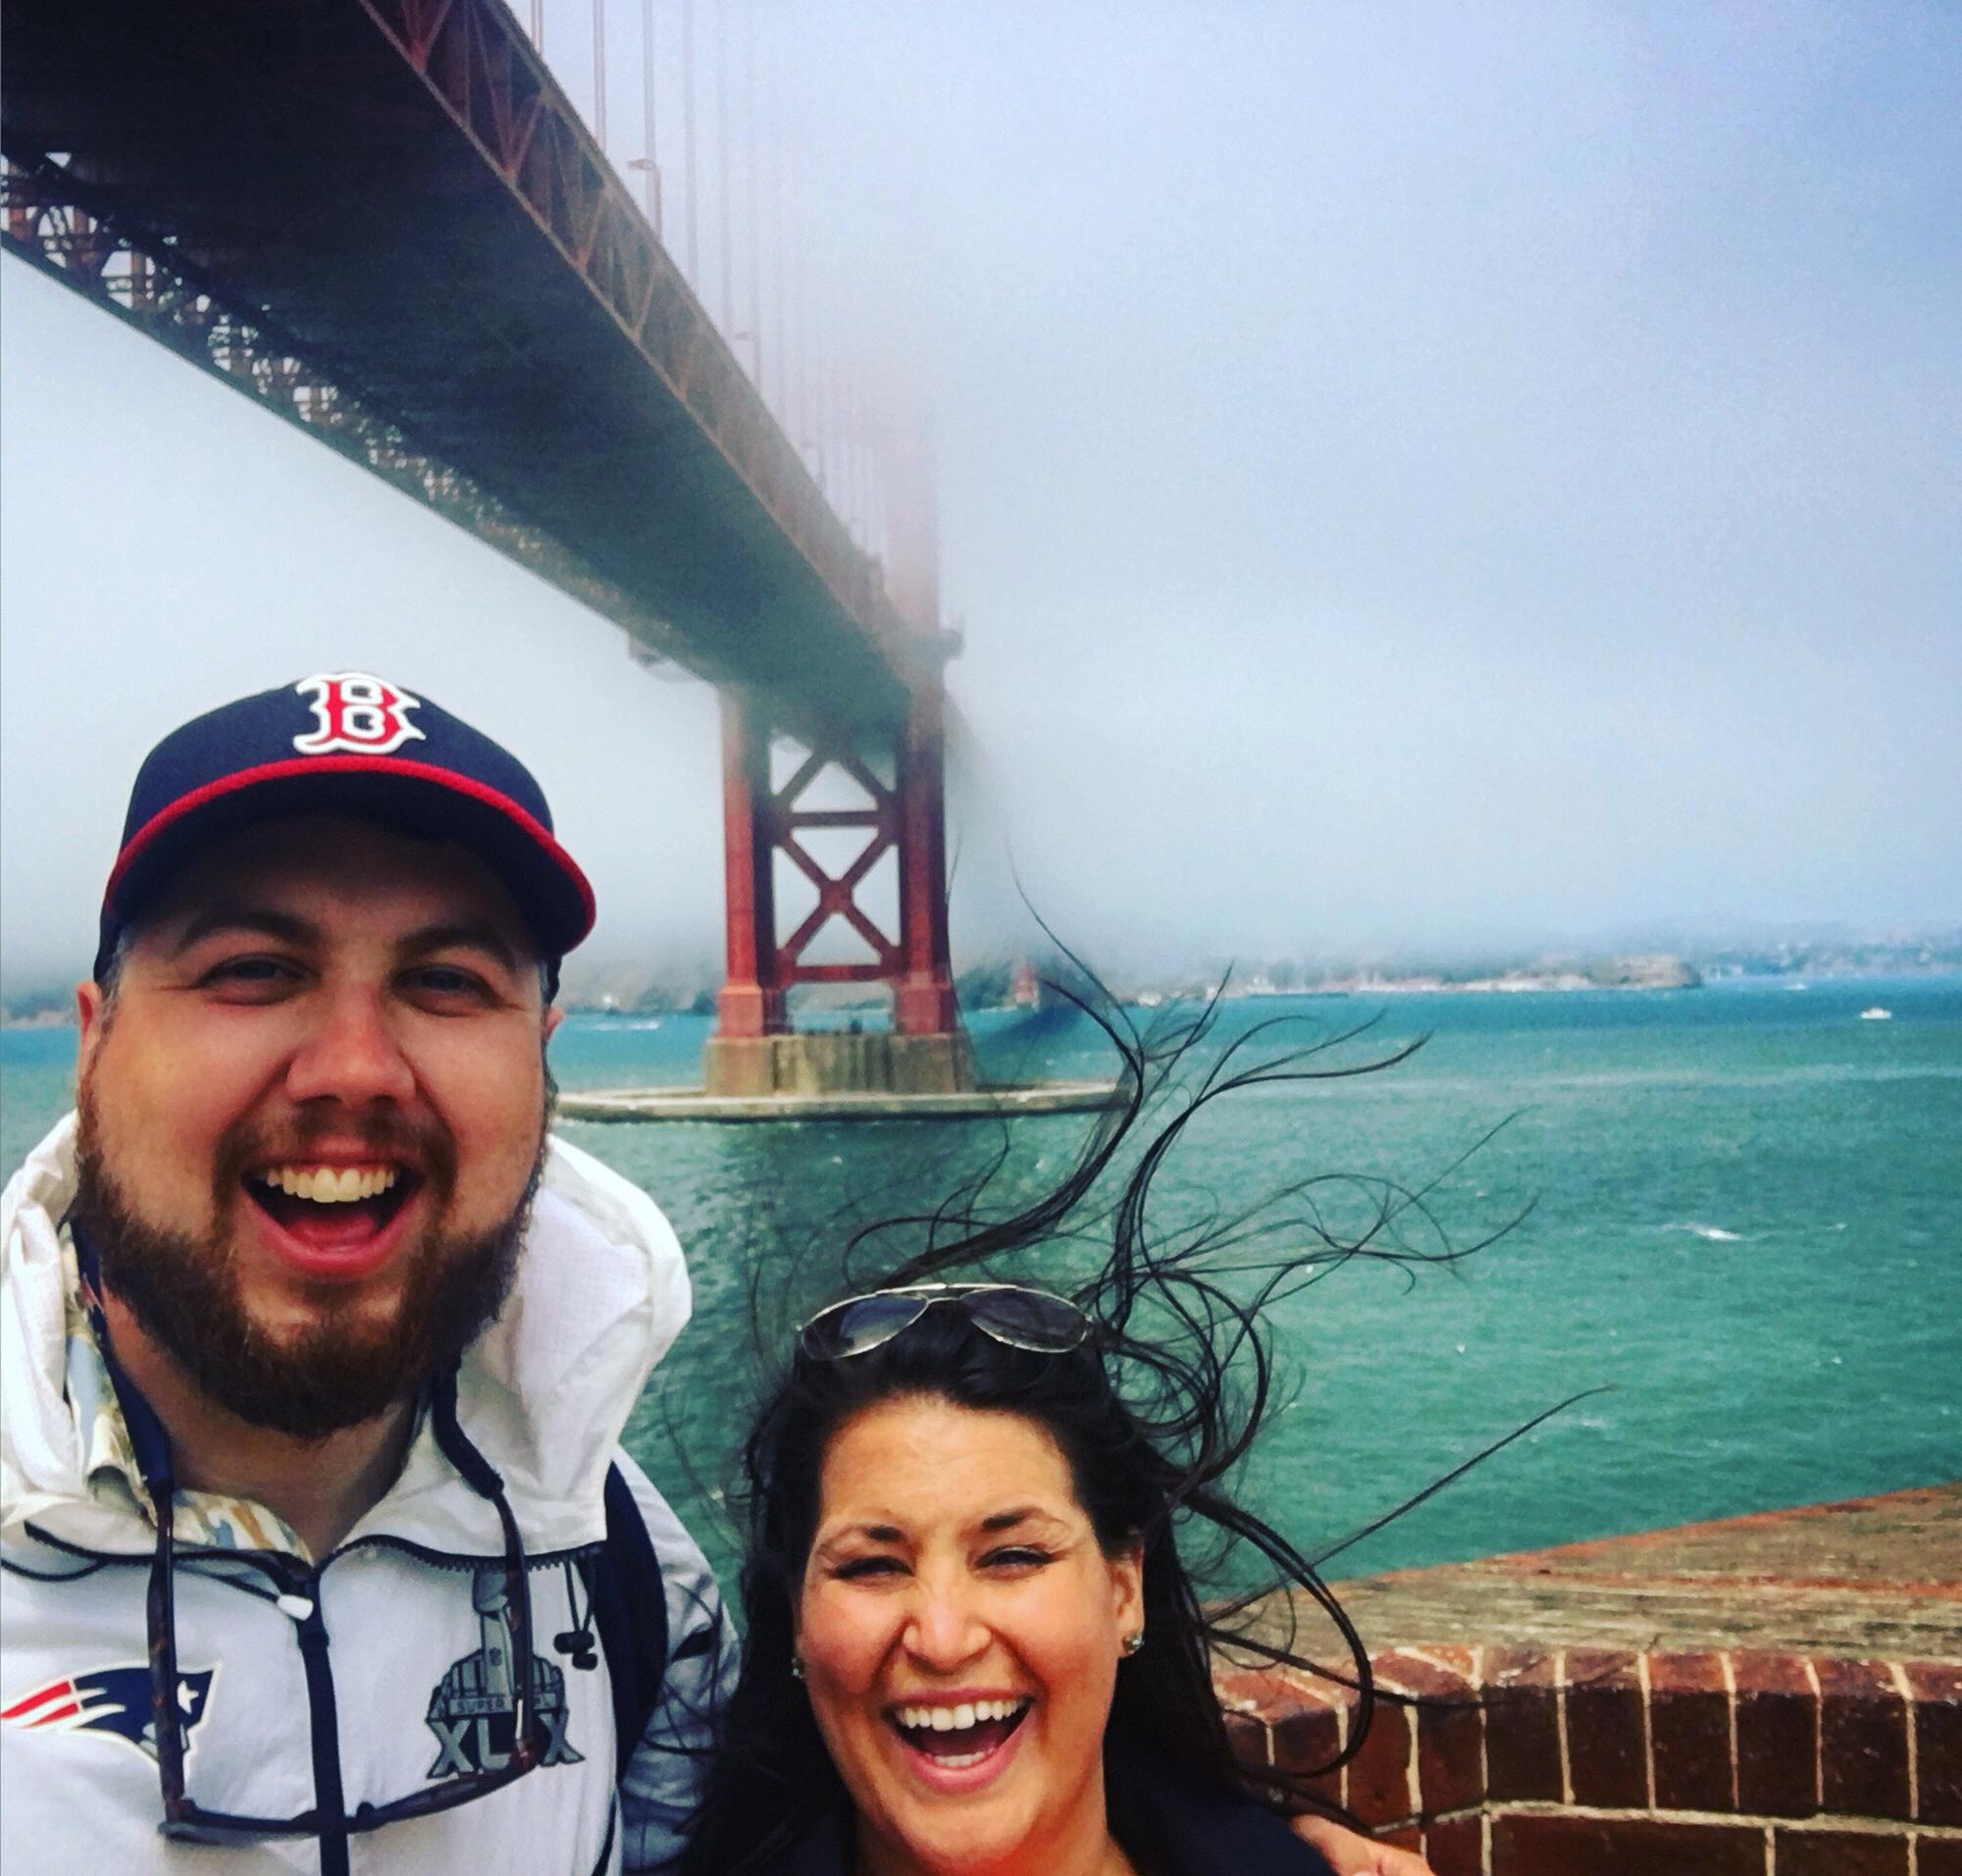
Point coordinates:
[[350, 1052], [945, 1627]]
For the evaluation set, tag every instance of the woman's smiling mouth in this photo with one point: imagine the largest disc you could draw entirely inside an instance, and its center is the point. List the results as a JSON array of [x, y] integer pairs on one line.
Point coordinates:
[[959, 1736]]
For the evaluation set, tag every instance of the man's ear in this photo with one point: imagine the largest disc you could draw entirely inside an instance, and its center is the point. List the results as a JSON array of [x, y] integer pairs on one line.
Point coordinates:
[[554, 1016], [91, 1012]]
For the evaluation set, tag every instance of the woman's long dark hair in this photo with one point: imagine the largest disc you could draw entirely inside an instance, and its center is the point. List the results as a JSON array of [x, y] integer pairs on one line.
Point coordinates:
[[1153, 1415]]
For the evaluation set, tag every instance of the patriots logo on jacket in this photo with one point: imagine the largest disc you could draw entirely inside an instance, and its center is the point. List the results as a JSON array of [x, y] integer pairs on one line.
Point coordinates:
[[112, 1700]]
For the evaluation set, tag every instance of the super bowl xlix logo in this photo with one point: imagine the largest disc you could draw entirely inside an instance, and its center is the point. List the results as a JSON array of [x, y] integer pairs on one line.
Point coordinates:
[[473, 1711], [355, 714]]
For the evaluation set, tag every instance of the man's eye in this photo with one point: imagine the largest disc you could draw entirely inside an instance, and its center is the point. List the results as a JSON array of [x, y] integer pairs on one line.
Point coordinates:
[[249, 972], [448, 981]]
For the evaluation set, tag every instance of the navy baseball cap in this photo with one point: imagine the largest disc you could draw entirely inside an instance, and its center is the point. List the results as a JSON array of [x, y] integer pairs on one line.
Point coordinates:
[[344, 743]]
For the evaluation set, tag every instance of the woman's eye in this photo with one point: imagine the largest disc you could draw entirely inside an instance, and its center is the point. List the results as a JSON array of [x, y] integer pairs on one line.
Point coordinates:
[[1017, 1556], [855, 1568]]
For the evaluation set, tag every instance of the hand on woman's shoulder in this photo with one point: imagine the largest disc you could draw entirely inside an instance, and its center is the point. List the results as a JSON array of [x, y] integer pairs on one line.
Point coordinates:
[[1348, 1855]]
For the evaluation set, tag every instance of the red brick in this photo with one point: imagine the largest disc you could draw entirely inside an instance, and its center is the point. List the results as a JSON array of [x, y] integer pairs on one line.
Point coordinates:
[[1624, 1846], [1258, 1692], [1689, 1728], [1841, 1853], [1607, 1748], [1450, 1728], [1935, 1857], [1407, 1673], [1937, 1740], [1306, 1721], [1250, 1740], [1455, 1847], [1521, 1726], [1778, 1736], [1409, 1838], [1378, 1776], [1454, 1658], [1862, 1741]]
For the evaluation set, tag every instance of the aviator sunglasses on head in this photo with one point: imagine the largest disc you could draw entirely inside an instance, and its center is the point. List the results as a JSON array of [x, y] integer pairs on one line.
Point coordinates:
[[1010, 1313]]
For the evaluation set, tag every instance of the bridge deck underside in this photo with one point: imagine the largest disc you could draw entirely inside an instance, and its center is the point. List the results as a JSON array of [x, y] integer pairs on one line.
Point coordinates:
[[519, 326]]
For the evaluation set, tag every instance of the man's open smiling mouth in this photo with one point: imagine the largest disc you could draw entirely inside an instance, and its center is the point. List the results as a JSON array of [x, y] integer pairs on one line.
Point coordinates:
[[333, 1220]]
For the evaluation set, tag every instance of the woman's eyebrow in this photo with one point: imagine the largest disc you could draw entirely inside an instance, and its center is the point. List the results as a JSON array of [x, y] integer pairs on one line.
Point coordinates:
[[1022, 1514], [877, 1532]]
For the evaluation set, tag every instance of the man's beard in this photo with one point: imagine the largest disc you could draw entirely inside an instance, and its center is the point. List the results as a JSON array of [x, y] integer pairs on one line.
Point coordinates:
[[337, 1370]]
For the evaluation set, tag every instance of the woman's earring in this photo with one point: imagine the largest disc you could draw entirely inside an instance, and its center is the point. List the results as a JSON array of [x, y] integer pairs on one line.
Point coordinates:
[[797, 1663], [1134, 1642]]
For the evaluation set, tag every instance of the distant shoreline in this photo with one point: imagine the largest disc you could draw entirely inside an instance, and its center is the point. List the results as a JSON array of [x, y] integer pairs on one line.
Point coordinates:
[[1683, 976]]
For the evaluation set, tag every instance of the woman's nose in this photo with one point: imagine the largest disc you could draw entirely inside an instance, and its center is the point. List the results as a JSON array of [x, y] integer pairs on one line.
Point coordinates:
[[945, 1627], [350, 1052]]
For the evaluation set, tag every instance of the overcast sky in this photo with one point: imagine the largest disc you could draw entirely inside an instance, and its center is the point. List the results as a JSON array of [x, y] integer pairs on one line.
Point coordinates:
[[1408, 474]]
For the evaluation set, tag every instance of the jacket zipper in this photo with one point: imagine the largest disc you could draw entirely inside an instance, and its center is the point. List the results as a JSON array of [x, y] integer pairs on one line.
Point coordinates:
[[325, 1727]]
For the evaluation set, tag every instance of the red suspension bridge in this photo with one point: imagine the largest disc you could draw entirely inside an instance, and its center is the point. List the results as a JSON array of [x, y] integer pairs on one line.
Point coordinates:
[[390, 223]]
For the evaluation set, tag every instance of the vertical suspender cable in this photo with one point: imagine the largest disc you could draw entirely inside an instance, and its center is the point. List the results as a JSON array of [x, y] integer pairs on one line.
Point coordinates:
[[799, 397], [600, 74], [841, 393], [651, 153], [539, 25], [688, 131], [774, 124], [752, 232], [875, 480], [838, 452], [862, 457], [725, 242]]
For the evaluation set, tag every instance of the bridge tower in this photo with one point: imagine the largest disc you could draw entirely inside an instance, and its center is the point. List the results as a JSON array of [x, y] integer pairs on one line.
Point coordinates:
[[900, 774]]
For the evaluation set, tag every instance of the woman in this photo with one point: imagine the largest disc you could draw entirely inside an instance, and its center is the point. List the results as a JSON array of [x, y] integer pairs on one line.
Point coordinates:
[[973, 1642]]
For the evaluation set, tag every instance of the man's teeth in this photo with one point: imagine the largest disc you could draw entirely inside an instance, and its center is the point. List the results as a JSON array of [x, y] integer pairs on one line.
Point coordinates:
[[328, 1184], [957, 1719]]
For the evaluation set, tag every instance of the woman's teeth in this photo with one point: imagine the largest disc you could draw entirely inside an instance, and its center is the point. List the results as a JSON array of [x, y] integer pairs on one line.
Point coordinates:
[[957, 1719], [328, 1184], [961, 1736]]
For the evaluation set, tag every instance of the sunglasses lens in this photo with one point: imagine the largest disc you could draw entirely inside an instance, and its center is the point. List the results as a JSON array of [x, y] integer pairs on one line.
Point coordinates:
[[861, 1326], [1029, 1318]]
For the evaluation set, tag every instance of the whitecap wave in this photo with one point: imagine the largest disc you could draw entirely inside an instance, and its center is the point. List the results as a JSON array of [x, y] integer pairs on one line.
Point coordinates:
[[1710, 1234]]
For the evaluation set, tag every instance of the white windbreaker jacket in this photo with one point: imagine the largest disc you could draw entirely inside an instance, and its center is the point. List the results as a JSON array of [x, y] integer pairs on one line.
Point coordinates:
[[382, 1669]]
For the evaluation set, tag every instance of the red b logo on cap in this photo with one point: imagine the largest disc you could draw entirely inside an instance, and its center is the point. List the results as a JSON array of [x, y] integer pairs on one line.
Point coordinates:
[[361, 714]]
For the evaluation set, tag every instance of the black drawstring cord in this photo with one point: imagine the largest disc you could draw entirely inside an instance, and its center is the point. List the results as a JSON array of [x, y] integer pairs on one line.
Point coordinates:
[[482, 1478], [577, 1640]]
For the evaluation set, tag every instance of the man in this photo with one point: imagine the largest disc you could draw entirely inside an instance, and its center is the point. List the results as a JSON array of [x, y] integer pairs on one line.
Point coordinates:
[[316, 1348]]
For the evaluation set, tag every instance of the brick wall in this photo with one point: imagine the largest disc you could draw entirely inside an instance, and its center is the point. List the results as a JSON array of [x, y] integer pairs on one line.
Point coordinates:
[[1591, 1762]]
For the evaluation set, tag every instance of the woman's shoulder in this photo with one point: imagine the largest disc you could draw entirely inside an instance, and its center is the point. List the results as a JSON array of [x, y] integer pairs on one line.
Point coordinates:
[[824, 1849], [1172, 1822]]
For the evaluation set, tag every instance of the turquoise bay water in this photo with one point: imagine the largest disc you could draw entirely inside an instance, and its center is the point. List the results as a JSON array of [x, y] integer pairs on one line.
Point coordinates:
[[1745, 1225]]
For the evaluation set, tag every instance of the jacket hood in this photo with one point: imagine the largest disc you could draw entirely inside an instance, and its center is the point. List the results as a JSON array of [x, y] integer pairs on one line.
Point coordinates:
[[601, 1294]]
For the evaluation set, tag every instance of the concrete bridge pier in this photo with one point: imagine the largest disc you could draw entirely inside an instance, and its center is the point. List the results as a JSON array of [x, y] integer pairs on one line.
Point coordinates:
[[755, 1053]]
